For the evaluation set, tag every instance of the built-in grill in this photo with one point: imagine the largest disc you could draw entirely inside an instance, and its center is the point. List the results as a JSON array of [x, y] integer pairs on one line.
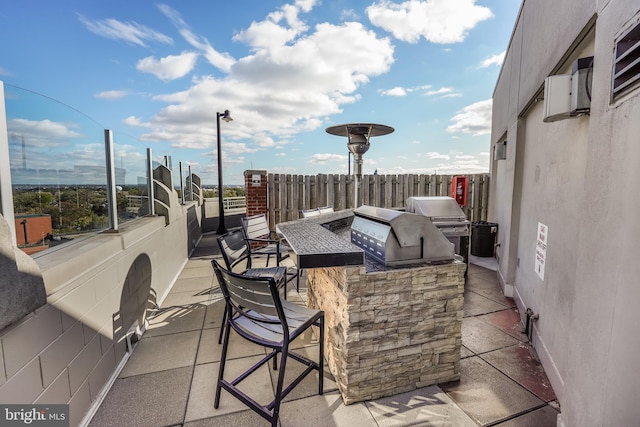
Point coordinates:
[[394, 237], [444, 213]]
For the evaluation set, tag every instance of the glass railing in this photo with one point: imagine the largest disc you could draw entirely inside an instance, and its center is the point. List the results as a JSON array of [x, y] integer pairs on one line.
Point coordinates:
[[58, 172], [130, 160]]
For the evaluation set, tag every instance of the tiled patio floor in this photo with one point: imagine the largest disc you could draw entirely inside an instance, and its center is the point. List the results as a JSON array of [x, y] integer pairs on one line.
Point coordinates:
[[169, 379]]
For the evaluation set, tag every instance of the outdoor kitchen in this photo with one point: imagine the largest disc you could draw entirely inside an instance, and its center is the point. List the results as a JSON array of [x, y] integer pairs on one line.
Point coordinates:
[[391, 285]]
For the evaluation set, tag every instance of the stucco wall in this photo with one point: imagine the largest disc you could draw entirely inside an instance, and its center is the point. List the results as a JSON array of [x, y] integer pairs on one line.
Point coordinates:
[[551, 192], [577, 177]]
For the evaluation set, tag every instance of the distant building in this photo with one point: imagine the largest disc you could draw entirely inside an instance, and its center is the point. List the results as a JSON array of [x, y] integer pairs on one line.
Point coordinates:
[[33, 232]]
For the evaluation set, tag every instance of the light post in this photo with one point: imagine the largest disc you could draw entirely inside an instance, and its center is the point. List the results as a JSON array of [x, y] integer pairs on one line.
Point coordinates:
[[221, 228]]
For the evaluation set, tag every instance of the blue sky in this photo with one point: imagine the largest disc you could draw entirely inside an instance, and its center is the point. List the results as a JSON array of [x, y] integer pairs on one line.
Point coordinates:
[[157, 73]]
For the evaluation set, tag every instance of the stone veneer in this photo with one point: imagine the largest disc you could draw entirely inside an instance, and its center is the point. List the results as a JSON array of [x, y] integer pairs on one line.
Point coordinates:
[[391, 331]]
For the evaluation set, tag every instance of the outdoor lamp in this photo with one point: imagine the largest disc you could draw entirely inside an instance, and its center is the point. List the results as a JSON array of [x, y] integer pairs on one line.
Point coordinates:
[[221, 227]]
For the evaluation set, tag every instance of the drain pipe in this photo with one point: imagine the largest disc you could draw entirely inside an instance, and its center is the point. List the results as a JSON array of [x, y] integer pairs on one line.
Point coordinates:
[[528, 322]]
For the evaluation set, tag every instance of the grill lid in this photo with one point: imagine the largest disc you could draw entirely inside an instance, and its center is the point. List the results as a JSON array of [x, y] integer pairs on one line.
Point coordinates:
[[436, 208], [395, 237]]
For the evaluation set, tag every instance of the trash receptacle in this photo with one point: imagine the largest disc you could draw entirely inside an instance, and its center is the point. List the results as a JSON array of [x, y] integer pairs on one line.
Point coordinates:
[[483, 238]]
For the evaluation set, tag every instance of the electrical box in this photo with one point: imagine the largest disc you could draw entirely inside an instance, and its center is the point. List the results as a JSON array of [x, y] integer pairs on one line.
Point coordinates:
[[500, 151], [557, 98], [568, 95]]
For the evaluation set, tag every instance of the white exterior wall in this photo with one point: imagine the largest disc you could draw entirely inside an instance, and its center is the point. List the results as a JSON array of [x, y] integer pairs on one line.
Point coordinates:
[[577, 177]]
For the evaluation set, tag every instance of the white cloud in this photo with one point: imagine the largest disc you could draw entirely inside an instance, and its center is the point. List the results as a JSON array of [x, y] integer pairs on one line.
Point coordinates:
[[170, 67], [438, 21], [112, 94], [324, 67], [443, 92], [271, 31], [236, 148], [223, 61], [435, 155], [134, 122], [448, 168], [327, 157], [283, 169], [4, 72], [494, 60], [50, 145], [41, 133], [130, 32], [265, 141], [474, 119], [403, 91], [396, 91], [349, 15]]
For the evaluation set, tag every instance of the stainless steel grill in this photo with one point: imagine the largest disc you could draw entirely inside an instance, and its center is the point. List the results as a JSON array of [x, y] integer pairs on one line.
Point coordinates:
[[445, 214], [394, 237]]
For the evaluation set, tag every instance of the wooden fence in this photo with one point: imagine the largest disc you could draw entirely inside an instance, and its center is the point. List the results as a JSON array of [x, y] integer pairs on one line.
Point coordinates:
[[289, 194]]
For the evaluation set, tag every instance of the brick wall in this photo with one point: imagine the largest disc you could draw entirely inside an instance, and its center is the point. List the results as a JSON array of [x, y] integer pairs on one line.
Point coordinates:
[[37, 227], [255, 184], [390, 332]]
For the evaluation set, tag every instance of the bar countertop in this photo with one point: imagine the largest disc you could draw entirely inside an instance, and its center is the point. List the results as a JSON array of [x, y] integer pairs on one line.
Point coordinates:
[[317, 243]]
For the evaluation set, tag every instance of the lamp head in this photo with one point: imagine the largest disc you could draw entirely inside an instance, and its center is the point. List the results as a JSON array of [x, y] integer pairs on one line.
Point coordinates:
[[226, 116]]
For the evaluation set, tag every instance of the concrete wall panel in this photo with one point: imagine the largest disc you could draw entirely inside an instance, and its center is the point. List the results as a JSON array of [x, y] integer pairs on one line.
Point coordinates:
[[578, 177], [544, 43]]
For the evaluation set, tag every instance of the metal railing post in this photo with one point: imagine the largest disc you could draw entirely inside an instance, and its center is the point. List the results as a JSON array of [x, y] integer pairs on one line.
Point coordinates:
[[6, 190], [190, 186], [112, 200], [152, 206], [181, 183]]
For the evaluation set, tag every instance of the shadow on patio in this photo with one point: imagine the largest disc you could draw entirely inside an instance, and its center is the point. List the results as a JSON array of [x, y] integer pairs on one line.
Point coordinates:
[[170, 378]]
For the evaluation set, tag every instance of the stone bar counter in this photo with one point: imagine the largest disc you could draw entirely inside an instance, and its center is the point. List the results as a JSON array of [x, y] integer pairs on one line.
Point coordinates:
[[388, 330]]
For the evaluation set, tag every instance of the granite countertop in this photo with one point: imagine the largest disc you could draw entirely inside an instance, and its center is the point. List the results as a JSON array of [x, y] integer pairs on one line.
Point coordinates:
[[319, 241]]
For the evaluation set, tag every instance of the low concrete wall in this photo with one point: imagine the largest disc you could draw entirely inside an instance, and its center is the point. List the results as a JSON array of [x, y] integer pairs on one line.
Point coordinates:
[[21, 286], [392, 331], [98, 291]]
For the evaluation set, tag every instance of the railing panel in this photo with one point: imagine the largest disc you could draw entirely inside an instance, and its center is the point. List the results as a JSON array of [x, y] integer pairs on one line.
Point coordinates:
[[130, 158], [58, 170]]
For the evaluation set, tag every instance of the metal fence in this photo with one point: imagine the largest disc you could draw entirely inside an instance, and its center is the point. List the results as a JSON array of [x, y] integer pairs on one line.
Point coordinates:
[[289, 194], [234, 202]]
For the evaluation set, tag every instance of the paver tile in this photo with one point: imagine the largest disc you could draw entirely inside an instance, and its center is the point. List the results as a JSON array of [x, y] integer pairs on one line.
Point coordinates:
[[486, 394]]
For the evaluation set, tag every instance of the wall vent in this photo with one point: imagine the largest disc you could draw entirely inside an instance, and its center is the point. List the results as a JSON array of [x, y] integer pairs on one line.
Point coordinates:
[[626, 65]]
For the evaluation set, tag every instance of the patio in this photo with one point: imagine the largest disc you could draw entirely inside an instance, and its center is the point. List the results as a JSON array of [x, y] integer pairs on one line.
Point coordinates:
[[169, 380]]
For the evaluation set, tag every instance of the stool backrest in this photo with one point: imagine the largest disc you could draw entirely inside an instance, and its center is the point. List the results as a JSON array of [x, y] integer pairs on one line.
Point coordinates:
[[254, 308], [234, 248], [256, 227]]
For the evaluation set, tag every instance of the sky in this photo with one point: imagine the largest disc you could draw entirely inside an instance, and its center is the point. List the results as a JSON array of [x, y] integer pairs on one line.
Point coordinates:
[[156, 74]]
